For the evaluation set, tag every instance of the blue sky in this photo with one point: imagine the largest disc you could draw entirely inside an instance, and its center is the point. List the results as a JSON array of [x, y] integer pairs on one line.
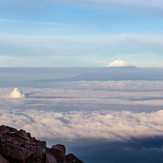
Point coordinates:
[[69, 33]]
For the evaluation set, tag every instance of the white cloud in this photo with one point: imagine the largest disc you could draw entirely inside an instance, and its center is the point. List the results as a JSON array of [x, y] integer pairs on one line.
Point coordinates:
[[110, 125], [145, 93], [39, 22], [15, 94]]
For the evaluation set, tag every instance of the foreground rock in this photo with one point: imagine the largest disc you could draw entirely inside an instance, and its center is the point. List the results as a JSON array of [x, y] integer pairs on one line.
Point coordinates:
[[18, 146]]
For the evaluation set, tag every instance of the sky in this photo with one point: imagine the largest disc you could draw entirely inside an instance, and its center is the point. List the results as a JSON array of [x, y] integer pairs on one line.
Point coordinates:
[[83, 33]]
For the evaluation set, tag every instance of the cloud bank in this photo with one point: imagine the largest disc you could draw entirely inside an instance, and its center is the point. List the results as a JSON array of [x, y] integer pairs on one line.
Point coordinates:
[[135, 93], [109, 110], [109, 125], [92, 117]]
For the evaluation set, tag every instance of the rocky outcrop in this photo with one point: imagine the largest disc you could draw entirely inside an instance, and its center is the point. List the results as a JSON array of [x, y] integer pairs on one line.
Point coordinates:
[[18, 146], [72, 159]]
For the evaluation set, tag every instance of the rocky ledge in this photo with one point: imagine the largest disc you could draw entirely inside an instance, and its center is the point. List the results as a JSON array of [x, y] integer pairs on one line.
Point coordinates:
[[18, 146]]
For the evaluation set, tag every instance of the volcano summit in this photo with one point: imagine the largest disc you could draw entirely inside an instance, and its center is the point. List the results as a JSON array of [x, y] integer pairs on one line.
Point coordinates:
[[120, 63]]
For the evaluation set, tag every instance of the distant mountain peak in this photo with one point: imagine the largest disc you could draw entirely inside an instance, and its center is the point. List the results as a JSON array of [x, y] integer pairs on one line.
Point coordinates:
[[120, 63]]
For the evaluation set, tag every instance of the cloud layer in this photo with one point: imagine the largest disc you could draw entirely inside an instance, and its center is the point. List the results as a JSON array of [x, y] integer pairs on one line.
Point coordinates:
[[111, 110], [92, 117], [109, 125]]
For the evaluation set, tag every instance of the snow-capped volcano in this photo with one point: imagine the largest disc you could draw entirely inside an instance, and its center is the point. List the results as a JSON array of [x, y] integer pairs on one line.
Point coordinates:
[[119, 63]]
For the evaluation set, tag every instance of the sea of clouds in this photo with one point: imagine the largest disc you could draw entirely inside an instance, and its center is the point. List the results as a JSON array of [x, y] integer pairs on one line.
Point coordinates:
[[111, 110], [92, 118], [108, 125]]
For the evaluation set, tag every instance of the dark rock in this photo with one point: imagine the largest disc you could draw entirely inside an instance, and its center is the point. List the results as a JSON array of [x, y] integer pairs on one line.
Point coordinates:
[[22, 134], [20, 147], [41, 143], [57, 154], [16, 154], [3, 160], [60, 147], [50, 158], [29, 135], [12, 130], [4, 130], [73, 159]]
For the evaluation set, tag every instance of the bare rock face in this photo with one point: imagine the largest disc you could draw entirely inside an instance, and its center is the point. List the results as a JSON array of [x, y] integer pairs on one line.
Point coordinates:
[[73, 159], [60, 148], [50, 158], [4, 130], [3, 160], [22, 134], [18, 146]]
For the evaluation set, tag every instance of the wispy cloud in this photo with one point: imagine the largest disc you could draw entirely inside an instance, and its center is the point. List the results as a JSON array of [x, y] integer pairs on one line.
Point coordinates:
[[152, 7], [145, 3], [151, 3], [81, 46], [38, 22]]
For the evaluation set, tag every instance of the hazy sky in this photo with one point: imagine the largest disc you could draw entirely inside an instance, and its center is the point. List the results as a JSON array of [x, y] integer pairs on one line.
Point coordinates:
[[83, 33]]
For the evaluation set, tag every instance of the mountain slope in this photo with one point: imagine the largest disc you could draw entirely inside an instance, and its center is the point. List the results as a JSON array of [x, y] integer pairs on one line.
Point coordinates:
[[119, 63]]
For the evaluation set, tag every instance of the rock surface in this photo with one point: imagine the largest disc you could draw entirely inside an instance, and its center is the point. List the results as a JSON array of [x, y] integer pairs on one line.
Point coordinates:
[[18, 146], [3, 160]]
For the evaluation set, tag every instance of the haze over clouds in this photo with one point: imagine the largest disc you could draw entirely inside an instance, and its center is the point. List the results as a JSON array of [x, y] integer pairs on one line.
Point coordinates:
[[125, 85]]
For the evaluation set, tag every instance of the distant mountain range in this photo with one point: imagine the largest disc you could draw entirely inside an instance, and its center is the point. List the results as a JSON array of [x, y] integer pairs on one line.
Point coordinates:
[[117, 70]]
